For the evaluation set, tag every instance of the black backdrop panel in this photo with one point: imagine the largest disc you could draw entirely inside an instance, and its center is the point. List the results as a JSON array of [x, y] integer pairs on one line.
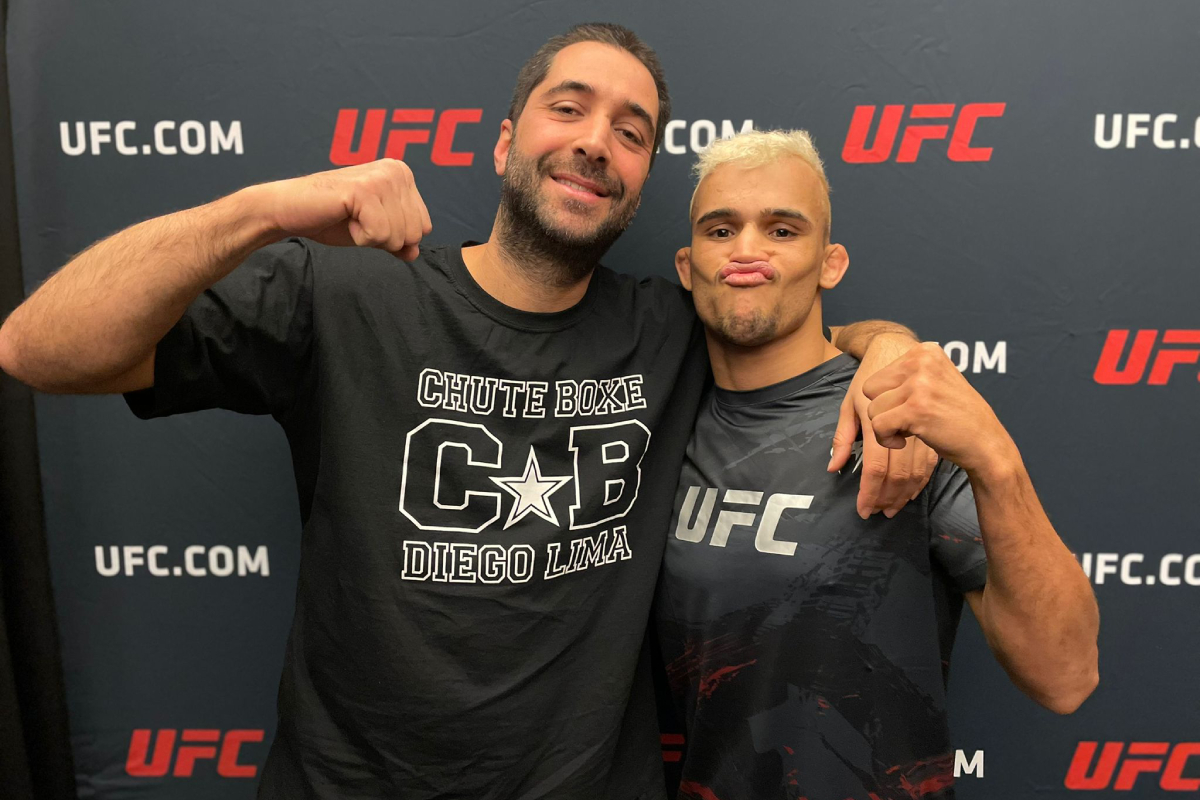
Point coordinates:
[[1037, 194]]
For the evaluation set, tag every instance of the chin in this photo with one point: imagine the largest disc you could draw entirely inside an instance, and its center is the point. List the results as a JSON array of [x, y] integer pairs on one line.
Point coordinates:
[[747, 330], [570, 227], [574, 234], [570, 223], [579, 227]]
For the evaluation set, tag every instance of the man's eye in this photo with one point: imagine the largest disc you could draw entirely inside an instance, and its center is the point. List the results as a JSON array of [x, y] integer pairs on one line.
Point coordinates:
[[782, 233], [566, 110], [632, 136], [720, 233]]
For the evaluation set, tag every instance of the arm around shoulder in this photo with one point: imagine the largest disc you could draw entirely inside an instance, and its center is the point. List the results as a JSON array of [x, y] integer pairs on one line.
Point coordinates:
[[856, 337]]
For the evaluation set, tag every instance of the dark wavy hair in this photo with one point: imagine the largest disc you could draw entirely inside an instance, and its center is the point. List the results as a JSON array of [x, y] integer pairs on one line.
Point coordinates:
[[535, 69]]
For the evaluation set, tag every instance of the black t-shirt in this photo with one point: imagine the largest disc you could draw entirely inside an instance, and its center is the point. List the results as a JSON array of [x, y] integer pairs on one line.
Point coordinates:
[[807, 649], [484, 492]]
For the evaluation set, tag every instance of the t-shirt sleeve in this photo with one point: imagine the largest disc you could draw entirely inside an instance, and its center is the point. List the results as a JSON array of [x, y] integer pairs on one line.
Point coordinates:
[[244, 345], [955, 540]]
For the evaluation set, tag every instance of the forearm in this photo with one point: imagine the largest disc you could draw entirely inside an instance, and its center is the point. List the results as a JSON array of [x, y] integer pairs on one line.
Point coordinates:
[[1037, 609], [104, 312], [856, 337]]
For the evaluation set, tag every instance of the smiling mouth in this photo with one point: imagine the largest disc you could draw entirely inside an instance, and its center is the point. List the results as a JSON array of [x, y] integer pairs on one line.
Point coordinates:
[[582, 188]]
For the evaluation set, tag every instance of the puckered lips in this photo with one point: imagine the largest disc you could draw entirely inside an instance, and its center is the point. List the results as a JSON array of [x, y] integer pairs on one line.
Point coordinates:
[[746, 273], [579, 188]]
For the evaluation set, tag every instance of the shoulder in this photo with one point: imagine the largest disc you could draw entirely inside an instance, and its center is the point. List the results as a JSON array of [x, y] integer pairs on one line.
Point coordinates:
[[654, 295], [845, 367], [842, 370]]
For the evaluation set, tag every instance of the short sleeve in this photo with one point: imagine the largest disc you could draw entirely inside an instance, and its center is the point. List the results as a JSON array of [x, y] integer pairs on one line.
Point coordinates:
[[244, 345], [955, 540]]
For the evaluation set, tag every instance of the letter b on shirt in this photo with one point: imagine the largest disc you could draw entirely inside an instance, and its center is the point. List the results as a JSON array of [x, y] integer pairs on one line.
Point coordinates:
[[608, 470]]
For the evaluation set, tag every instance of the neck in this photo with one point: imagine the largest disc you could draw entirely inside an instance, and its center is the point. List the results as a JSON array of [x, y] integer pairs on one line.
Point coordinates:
[[525, 277], [745, 368]]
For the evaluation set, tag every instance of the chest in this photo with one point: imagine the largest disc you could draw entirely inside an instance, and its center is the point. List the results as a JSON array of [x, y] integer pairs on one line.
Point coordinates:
[[761, 517]]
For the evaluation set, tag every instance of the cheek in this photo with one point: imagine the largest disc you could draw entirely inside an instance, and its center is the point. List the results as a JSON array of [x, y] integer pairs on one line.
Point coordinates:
[[805, 277], [706, 279], [801, 292], [632, 170], [707, 259], [708, 295]]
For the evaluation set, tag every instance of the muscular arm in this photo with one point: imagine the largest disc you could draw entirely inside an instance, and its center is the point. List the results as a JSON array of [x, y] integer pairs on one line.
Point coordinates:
[[1037, 610], [94, 325]]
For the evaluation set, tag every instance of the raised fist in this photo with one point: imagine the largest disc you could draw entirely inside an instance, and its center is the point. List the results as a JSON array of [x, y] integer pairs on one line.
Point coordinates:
[[367, 205], [923, 394]]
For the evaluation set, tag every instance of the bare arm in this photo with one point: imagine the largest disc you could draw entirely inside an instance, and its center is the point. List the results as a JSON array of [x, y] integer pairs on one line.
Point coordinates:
[[1037, 610], [93, 326], [856, 337]]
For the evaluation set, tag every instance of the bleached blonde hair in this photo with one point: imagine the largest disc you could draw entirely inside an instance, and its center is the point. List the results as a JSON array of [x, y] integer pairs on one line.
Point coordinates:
[[752, 149]]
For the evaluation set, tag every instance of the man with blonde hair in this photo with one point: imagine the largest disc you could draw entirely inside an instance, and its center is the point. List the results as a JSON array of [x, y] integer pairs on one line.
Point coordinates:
[[806, 648]]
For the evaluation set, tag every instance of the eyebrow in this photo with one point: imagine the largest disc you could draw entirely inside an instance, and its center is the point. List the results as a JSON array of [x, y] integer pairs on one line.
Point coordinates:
[[729, 213], [578, 86]]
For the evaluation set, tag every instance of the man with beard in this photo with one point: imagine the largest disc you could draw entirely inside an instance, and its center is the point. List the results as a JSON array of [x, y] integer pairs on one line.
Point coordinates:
[[484, 442], [807, 649]]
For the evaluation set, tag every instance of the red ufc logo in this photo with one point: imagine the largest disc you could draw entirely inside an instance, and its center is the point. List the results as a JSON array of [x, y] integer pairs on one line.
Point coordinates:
[[856, 151], [1109, 371], [1141, 757], [416, 123], [202, 744]]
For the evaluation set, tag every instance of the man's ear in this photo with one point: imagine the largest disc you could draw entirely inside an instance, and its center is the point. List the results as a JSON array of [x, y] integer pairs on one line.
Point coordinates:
[[683, 265], [500, 153], [836, 262]]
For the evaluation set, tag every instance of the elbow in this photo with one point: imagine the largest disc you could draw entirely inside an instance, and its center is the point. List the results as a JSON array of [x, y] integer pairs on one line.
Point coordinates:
[[8, 352], [16, 363], [1068, 698]]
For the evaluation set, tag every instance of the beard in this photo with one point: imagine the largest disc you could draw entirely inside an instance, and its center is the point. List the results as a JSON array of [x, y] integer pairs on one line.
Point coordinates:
[[747, 330], [527, 230]]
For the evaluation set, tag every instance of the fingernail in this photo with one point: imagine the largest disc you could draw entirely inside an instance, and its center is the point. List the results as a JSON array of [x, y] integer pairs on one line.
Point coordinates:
[[890, 513]]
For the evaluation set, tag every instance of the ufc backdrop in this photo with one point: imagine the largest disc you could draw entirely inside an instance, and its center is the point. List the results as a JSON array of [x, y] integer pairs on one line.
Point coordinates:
[[1016, 181]]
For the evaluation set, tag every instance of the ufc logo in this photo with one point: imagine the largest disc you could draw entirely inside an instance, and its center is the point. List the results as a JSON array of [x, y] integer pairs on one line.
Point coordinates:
[[1109, 371], [764, 535], [1150, 757], [409, 126], [856, 151], [200, 744]]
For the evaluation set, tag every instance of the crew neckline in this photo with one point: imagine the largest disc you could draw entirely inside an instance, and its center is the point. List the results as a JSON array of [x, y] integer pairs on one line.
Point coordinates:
[[507, 315], [785, 388]]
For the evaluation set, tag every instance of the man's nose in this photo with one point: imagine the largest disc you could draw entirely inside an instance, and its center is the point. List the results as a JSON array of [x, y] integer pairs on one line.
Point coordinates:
[[749, 245], [592, 141]]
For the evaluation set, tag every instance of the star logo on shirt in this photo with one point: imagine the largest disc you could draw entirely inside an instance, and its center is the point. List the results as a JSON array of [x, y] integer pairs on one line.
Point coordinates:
[[532, 492]]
